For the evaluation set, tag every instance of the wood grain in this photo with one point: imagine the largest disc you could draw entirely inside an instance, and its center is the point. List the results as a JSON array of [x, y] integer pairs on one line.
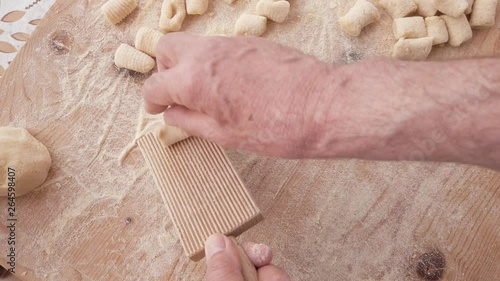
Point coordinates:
[[99, 218]]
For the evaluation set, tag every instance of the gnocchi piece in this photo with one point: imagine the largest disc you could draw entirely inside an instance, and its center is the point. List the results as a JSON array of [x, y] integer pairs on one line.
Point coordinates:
[[452, 8], [411, 27], [252, 25], [196, 7], [469, 9], [359, 16], [426, 8], [173, 13], [412, 49], [483, 13], [459, 30], [275, 10], [146, 40], [399, 8], [436, 28], [169, 135], [128, 57], [116, 10]]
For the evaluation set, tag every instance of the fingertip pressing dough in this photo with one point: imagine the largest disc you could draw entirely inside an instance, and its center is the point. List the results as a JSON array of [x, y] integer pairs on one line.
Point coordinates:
[[469, 9], [483, 13], [412, 49], [425, 8], [116, 10], [29, 159], [359, 16], [173, 13], [275, 10], [459, 30], [411, 27], [168, 135], [252, 25], [453, 8], [146, 40], [436, 29], [399, 8], [196, 7], [128, 57]]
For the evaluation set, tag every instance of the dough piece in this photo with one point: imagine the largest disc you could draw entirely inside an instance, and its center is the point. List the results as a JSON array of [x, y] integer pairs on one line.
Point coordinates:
[[275, 10], [196, 7], [229, 1], [436, 28], [459, 30], [130, 58], [469, 9], [426, 8], [116, 10], [453, 8], [399, 8], [252, 25], [483, 13], [412, 49], [173, 13], [29, 158], [412, 27], [146, 40], [359, 16], [169, 135]]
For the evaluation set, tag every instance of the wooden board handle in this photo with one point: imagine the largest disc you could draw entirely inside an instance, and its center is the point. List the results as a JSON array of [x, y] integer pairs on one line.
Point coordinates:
[[247, 268]]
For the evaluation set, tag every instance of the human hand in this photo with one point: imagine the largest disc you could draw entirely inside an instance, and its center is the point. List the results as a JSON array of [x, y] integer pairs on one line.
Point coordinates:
[[223, 261], [242, 92]]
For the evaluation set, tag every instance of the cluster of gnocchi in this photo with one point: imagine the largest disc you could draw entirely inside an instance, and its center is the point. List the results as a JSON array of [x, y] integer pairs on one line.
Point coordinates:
[[421, 24], [256, 24], [173, 13]]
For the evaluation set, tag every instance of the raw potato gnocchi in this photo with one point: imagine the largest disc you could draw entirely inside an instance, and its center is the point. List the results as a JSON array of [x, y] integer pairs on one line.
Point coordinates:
[[196, 7], [483, 13], [436, 28], [453, 8], [275, 10], [469, 9], [359, 16], [173, 13], [252, 25], [426, 8], [169, 135], [399, 8], [128, 57], [146, 40], [116, 10], [459, 30], [412, 49], [411, 27]]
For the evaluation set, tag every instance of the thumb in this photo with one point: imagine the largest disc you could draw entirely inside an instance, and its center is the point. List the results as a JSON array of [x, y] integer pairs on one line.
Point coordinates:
[[222, 259]]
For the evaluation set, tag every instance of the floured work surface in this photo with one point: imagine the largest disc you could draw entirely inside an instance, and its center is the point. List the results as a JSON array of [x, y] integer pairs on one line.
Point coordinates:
[[99, 218], [201, 189]]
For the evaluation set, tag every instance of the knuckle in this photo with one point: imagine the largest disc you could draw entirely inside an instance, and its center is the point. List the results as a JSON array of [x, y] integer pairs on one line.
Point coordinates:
[[221, 269]]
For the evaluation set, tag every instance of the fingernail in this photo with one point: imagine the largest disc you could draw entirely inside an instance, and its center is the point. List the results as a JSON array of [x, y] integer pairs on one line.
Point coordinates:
[[215, 244]]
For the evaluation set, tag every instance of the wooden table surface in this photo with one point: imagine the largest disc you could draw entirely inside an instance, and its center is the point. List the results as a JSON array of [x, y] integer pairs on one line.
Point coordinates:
[[99, 216]]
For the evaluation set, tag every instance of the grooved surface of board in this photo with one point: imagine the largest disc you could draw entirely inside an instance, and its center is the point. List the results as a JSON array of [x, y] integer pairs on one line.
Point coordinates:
[[202, 191]]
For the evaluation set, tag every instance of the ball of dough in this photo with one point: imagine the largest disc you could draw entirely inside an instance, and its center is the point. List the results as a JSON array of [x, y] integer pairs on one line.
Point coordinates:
[[29, 158]]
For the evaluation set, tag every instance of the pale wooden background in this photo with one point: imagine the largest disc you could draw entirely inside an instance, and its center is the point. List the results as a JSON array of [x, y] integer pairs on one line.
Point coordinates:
[[99, 218]]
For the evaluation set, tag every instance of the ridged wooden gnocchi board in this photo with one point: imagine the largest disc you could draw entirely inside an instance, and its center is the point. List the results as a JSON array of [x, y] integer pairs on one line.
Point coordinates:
[[98, 218], [202, 191]]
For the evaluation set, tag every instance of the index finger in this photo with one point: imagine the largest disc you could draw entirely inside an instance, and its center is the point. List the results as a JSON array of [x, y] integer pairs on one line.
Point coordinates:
[[171, 47]]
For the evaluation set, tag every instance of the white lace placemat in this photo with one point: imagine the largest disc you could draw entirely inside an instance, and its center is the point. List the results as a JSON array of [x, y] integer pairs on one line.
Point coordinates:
[[18, 19]]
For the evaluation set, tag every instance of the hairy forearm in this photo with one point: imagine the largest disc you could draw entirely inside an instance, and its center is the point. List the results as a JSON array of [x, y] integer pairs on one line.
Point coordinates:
[[391, 110]]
